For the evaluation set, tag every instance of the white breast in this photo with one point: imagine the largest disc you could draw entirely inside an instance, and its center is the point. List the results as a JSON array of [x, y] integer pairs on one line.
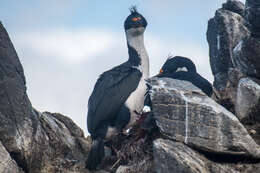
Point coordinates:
[[135, 101]]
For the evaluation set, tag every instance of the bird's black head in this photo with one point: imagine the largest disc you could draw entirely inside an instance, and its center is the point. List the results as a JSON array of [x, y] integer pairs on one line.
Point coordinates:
[[135, 21], [176, 64]]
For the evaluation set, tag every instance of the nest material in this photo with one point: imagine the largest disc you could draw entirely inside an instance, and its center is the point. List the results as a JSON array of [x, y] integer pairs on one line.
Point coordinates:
[[131, 149]]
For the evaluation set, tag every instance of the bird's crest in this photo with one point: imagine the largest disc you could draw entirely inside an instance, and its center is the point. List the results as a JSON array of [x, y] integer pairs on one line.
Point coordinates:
[[133, 9], [170, 56]]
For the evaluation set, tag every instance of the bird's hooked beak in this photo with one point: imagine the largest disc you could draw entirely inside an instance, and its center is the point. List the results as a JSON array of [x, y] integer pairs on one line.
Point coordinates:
[[160, 73]]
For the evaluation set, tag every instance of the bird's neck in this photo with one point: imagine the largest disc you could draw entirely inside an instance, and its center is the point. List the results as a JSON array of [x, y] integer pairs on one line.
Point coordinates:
[[137, 53]]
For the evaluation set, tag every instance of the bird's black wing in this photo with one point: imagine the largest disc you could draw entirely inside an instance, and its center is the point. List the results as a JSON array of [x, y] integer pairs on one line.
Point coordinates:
[[110, 92]]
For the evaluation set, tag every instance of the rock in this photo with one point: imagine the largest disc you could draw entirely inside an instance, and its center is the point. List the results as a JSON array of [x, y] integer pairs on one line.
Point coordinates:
[[33, 141], [7, 164], [17, 119], [252, 15], [183, 113], [123, 169], [64, 139], [145, 166], [248, 100], [235, 6], [170, 156], [248, 106], [224, 32], [234, 48], [247, 56], [234, 75], [227, 97]]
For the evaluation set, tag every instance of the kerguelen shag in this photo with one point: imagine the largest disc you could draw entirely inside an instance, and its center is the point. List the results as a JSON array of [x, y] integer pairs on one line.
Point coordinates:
[[118, 95], [183, 68]]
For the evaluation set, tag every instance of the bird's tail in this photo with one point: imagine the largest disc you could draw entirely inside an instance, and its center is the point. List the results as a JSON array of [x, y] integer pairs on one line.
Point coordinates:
[[95, 154]]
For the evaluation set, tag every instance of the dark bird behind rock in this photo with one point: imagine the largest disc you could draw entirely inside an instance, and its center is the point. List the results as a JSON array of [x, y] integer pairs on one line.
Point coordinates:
[[183, 68]]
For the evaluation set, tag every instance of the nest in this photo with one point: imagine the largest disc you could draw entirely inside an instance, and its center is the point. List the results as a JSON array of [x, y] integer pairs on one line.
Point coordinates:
[[132, 148]]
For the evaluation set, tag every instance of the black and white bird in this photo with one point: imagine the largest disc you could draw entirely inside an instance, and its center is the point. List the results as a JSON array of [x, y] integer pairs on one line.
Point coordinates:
[[183, 68], [118, 95]]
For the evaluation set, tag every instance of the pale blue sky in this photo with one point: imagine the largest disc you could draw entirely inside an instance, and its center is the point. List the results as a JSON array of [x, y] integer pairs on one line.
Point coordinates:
[[64, 45]]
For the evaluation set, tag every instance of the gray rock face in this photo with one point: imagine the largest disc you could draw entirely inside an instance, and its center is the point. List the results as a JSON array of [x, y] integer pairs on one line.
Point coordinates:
[[7, 164], [224, 32], [183, 113], [247, 56], [173, 156], [16, 113], [36, 142], [234, 6], [240, 58], [248, 100], [146, 166], [234, 48], [252, 15]]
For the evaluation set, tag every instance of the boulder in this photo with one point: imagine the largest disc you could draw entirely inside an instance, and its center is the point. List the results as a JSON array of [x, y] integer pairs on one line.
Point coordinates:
[[7, 164], [248, 100], [184, 113], [224, 32], [18, 122], [252, 14], [171, 156], [146, 166], [248, 106], [30, 140], [247, 57], [235, 6]]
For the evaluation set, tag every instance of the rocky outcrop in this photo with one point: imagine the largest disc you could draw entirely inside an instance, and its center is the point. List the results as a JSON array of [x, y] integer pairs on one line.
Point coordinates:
[[7, 164], [143, 166], [252, 14], [248, 100], [17, 118], [247, 56], [171, 156], [235, 31], [202, 136], [234, 6], [183, 113], [224, 32], [248, 106], [31, 141]]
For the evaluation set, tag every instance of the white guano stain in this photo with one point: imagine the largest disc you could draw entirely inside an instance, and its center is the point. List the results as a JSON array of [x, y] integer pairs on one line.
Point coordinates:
[[218, 41], [186, 117], [238, 47]]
